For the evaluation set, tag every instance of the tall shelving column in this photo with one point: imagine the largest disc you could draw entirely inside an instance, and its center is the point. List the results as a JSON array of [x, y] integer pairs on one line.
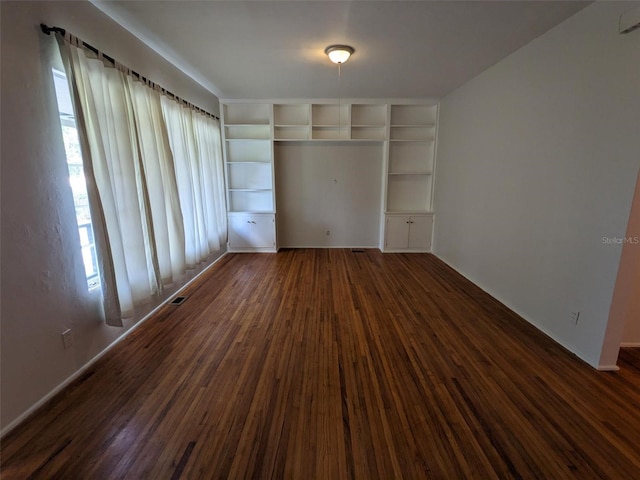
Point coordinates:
[[409, 181], [249, 174]]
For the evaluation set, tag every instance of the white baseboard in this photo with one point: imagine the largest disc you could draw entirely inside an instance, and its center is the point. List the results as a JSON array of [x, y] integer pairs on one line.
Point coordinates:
[[87, 365], [608, 368], [630, 345], [251, 250], [300, 247]]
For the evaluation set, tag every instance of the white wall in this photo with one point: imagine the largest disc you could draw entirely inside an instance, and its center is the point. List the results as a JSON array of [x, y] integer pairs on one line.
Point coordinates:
[[328, 187], [537, 161], [43, 285]]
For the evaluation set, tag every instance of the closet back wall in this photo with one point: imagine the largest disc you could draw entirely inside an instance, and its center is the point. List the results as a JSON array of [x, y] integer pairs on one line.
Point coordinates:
[[328, 187]]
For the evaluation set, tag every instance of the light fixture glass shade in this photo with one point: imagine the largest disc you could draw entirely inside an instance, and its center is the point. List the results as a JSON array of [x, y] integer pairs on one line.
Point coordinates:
[[339, 53]]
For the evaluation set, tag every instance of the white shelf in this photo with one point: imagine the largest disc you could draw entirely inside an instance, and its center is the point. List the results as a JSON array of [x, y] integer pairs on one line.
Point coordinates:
[[291, 132], [368, 133], [244, 212], [247, 114], [369, 115], [411, 140], [414, 115], [251, 200], [405, 132], [249, 176], [408, 212], [412, 133], [247, 132], [330, 115], [291, 114], [414, 125], [408, 193], [326, 132], [248, 151], [247, 163], [249, 189]]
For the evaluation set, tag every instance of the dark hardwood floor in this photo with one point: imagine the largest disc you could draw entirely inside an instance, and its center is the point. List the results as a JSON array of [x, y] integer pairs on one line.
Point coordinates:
[[330, 364]]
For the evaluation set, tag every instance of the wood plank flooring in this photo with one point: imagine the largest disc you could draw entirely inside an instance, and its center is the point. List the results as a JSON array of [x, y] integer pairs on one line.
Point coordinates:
[[331, 364]]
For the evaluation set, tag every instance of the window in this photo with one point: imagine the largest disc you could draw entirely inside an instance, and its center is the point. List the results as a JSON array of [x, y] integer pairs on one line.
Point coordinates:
[[76, 179]]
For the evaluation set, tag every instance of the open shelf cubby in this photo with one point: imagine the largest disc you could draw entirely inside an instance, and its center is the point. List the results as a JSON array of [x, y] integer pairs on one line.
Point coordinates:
[[247, 114], [291, 114]]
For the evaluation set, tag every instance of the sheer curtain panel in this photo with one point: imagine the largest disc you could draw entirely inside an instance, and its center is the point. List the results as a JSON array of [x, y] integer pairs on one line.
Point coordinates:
[[196, 146], [154, 176], [166, 228], [106, 129]]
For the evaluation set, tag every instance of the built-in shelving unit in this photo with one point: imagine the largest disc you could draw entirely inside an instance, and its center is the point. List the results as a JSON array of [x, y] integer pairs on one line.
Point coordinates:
[[408, 133], [248, 153], [409, 194]]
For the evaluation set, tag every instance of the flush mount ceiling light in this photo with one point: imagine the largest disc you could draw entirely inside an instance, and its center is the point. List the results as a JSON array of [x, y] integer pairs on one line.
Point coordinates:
[[339, 53]]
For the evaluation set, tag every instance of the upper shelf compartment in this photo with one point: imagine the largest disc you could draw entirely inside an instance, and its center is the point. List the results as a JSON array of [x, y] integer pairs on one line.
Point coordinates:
[[291, 114], [247, 114], [413, 122], [368, 122], [368, 115], [291, 121], [330, 121], [413, 115]]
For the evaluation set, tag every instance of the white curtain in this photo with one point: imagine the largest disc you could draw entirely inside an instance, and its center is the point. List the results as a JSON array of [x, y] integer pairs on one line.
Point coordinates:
[[159, 182], [154, 174], [196, 146], [210, 150]]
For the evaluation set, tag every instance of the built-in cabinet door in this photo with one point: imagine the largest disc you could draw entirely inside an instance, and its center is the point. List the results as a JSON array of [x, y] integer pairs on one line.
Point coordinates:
[[240, 231], [408, 232], [251, 231], [420, 232], [397, 232], [263, 231]]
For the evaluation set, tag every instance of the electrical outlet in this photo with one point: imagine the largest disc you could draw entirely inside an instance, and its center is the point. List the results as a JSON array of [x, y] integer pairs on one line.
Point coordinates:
[[67, 338], [328, 232], [575, 317]]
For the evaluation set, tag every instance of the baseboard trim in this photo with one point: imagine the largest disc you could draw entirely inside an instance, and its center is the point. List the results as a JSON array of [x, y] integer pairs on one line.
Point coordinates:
[[630, 345], [251, 250], [608, 368], [335, 247], [65, 383]]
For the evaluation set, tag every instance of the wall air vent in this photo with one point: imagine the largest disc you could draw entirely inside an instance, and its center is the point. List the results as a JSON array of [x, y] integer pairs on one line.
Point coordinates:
[[630, 21]]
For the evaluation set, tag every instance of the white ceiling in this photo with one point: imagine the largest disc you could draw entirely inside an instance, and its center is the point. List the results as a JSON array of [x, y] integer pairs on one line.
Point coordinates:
[[275, 49]]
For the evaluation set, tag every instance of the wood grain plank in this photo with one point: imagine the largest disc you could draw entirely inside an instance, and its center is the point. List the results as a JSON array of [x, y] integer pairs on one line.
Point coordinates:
[[342, 365]]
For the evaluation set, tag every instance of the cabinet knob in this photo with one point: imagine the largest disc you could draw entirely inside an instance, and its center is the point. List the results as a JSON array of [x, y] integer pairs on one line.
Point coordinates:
[[408, 221]]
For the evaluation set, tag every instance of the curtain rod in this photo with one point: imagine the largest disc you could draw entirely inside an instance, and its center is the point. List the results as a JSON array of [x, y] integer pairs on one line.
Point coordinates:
[[48, 30]]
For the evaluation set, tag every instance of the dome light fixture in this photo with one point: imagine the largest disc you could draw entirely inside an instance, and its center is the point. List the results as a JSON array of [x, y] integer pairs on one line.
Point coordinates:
[[339, 53]]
